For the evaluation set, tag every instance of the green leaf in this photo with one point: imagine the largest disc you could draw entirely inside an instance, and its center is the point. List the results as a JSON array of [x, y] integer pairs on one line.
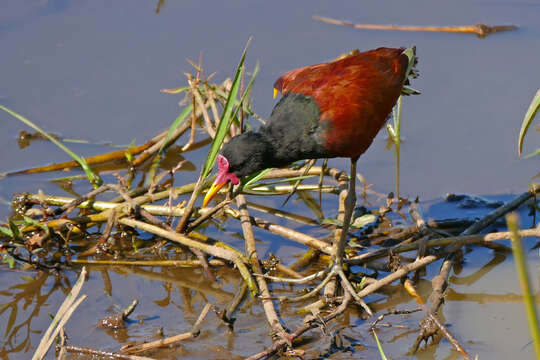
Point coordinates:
[[28, 221], [529, 116], [247, 92], [225, 121], [412, 58], [176, 123], [250, 181], [10, 260], [33, 222], [6, 231], [16, 234], [287, 180], [94, 179]]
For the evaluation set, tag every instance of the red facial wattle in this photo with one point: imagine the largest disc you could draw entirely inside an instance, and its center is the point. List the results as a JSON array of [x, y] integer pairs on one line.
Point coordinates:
[[223, 171], [223, 177]]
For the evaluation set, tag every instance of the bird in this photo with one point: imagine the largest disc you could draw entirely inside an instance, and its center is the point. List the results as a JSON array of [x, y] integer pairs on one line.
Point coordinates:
[[327, 110]]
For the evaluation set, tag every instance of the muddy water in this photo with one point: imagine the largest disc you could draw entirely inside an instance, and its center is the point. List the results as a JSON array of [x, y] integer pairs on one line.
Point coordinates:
[[92, 70]]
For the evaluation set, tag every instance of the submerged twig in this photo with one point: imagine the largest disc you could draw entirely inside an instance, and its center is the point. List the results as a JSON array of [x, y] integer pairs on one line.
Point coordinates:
[[137, 348]]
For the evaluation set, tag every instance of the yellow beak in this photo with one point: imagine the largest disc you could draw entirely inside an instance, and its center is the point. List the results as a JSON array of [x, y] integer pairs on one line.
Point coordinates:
[[212, 191], [275, 93]]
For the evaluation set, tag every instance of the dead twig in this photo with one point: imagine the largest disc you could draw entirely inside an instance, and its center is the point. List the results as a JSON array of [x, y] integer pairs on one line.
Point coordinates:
[[481, 30], [430, 321], [72, 301], [102, 354], [310, 323], [137, 348], [455, 240], [501, 211], [251, 252]]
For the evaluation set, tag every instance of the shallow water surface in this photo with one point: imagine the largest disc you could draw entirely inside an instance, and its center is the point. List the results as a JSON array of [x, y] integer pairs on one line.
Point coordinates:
[[92, 70]]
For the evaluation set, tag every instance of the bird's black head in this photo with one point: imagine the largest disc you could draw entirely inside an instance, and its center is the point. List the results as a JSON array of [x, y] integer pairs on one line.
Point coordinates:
[[248, 153], [244, 155]]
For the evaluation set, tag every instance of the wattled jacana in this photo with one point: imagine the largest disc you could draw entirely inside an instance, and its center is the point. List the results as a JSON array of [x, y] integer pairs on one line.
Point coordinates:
[[333, 109]]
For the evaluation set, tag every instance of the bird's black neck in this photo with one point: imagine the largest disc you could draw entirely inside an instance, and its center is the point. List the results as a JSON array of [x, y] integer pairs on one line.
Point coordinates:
[[291, 134], [294, 129]]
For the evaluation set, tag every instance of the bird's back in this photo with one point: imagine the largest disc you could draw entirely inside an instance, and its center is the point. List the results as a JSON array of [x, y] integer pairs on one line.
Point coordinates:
[[355, 95]]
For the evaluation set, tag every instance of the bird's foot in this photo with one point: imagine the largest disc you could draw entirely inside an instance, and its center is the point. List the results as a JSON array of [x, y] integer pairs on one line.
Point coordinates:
[[333, 271]]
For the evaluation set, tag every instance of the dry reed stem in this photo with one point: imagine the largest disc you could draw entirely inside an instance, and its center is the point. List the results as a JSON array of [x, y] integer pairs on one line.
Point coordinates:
[[221, 252], [207, 124], [293, 235], [71, 302], [409, 287], [205, 214], [146, 154], [153, 220], [404, 270], [308, 257], [91, 160], [310, 324], [238, 298], [140, 200], [457, 240], [283, 214], [211, 96], [181, 227], [251, 253], [102, 354], [172, 263], [137, 348], [182, 239], [288, 271], [481, 30]]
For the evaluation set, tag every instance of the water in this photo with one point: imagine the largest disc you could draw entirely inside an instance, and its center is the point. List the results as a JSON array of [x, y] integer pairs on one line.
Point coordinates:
[[93, 70]]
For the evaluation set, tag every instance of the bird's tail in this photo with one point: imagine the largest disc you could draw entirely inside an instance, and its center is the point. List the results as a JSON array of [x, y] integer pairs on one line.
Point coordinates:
[[412, 72]]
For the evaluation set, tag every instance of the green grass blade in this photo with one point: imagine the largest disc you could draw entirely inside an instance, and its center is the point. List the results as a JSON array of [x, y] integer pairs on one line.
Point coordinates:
[[521, 268], [94, 179], [247, 92], [527, 120], [395, 134], [250, 181], [532, 154], [6, 231], [226, 116], [176, 123], [379, 346]]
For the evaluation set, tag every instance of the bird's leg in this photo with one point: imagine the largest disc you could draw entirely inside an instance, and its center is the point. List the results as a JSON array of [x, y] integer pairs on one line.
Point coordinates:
[[336, 269], [339, 248], [350, 202]]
